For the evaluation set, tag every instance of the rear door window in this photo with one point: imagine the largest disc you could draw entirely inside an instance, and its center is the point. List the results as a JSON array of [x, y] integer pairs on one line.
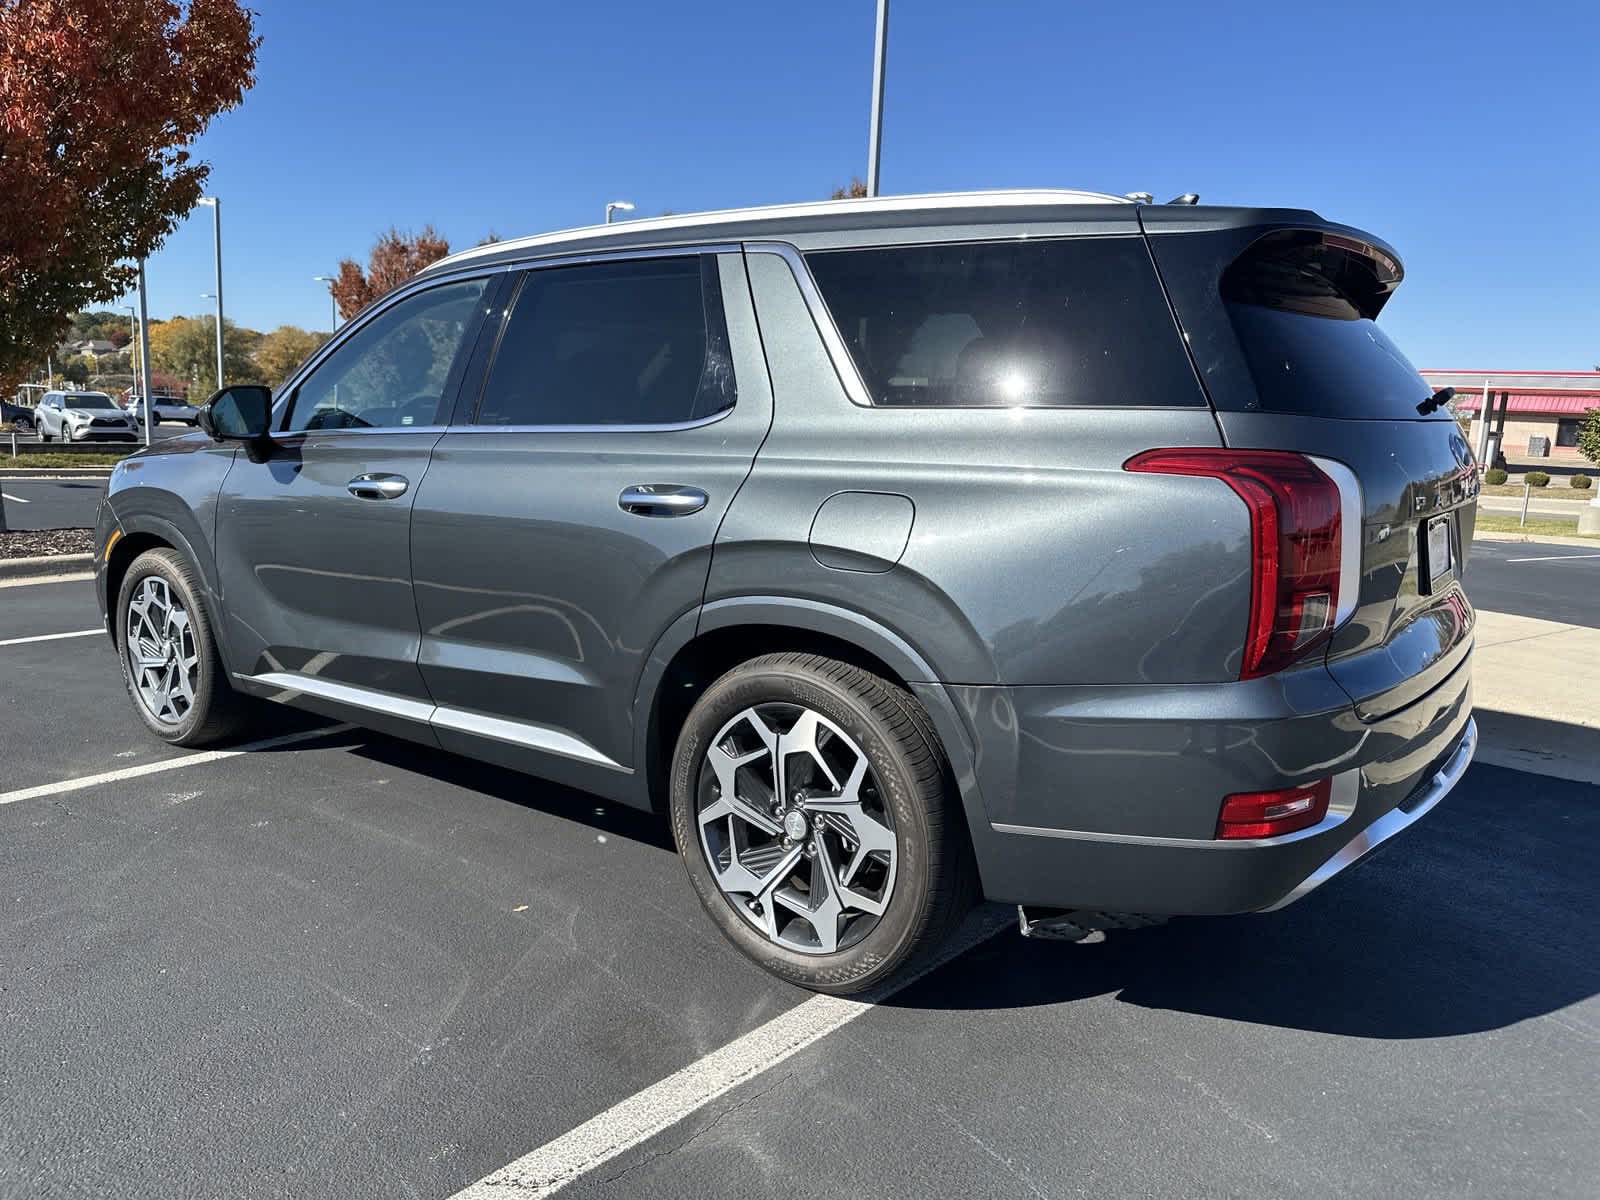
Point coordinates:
[[1077, 322], [1302, 304], [636, 342]]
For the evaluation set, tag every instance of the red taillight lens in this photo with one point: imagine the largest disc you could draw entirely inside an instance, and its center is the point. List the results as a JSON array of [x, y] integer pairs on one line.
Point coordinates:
[[1267, 814], [1295, 544]]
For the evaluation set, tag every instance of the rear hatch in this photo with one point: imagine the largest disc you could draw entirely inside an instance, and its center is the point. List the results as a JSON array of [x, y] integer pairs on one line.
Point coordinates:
[[1279, 311]]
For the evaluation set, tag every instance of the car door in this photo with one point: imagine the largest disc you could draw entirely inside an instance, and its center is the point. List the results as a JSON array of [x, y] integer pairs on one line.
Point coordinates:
[[49, 418], [569, 514], [313, 530]]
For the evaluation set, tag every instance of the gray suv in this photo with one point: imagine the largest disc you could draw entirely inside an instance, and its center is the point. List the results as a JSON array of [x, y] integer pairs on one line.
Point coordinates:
[[1095, 557]]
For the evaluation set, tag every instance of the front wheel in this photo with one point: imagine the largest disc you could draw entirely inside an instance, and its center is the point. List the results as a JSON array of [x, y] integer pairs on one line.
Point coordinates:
[[44, 434], [169, 654], [811, 810]]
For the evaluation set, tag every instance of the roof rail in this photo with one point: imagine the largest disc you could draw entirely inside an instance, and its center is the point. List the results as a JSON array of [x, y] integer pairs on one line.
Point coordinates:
[[931, 201]]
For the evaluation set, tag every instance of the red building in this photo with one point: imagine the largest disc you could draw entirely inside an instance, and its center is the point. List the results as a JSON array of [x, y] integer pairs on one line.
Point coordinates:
[[1531, 414]]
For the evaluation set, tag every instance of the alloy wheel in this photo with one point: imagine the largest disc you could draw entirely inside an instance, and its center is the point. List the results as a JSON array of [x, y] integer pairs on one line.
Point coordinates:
[[163, 658], [795, 828]]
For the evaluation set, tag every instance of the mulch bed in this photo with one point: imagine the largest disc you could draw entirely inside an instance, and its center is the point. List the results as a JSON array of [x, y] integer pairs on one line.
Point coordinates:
[[25, 543]]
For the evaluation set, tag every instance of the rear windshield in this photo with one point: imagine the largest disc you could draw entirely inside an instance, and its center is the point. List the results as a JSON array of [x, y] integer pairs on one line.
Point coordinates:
[[1302, 306], [1072, 322]]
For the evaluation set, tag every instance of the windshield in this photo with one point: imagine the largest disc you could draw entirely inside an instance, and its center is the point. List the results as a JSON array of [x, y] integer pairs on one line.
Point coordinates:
[[89, 400]]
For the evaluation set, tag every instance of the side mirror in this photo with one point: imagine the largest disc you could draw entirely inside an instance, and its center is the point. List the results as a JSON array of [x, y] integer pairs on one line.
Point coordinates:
[[241, 413]]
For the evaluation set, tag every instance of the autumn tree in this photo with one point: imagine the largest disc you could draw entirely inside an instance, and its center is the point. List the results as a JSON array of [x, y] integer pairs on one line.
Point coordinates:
[[395, 257], [284, 349], [100, 101], [854, 190], [186, 347]]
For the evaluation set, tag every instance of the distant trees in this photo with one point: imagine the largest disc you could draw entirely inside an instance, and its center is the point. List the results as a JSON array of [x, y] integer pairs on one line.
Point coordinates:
[[186, 347], [395, 257], [284, 349], [1589, 435], [854, 190], [100, 101]]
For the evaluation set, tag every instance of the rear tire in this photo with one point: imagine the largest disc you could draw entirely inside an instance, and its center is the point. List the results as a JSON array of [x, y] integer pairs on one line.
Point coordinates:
[[173, 673], [841, 861]]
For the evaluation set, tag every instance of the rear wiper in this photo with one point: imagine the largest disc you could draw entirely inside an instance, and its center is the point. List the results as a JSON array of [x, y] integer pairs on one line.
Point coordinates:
[[1437, 401]]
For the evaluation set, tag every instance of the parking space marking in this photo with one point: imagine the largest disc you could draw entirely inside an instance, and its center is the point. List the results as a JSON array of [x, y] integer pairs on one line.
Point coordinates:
[[50, 637], [640, 1117], [1552, 558], [14, 499], [166, 764]]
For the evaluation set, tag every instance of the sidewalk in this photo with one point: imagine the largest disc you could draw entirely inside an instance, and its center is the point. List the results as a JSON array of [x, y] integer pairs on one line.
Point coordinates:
[[1535, 711]]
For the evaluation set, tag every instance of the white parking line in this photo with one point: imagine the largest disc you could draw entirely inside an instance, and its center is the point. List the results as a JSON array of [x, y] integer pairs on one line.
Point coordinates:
[[1553, 558], [50, 637], [36, 580], [166, 764], [547, 1170], [14, 499]]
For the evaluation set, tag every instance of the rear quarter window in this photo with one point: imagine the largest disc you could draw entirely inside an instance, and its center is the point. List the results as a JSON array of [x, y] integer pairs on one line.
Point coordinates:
[[1078, 322]]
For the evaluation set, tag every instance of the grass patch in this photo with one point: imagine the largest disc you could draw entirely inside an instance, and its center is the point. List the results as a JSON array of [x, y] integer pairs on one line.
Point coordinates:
[[1507, 523], [51, 460], [1558, 489]]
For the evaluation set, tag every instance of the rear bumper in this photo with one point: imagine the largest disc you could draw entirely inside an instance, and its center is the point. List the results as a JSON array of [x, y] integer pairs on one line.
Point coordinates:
[[1136, 793]]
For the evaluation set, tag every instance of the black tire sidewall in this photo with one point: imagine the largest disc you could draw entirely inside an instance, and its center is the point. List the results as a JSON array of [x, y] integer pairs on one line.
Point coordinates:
[[166, 565], [889, 944]]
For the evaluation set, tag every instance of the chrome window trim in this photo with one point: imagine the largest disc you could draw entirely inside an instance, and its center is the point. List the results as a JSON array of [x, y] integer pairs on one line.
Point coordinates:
[[664, 427], [843, 364]]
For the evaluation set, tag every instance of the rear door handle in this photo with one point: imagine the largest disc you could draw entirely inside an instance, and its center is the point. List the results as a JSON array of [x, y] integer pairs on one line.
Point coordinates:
[[661, 500], [378, 486]]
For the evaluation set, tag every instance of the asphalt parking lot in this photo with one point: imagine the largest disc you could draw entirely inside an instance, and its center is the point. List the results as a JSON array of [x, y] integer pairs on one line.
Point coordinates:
[[342, 965]]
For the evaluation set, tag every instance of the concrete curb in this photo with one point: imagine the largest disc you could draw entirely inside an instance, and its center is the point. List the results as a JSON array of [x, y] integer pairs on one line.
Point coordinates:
[[45, 564], [1552, 539], [55, 472]]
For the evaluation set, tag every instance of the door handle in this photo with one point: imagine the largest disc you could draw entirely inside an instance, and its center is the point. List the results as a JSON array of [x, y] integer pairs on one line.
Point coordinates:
[[661, 500], [378, 487]]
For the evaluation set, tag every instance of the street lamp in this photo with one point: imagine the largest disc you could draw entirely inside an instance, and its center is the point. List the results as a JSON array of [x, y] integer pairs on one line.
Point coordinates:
[[618, 205], [144, 350], [880, 53], [333, 301], [215, 205], [133, 343]]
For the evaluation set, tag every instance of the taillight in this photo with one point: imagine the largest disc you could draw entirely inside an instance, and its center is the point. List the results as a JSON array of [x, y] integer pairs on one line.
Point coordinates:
[[1267, 814], [1303, 551]]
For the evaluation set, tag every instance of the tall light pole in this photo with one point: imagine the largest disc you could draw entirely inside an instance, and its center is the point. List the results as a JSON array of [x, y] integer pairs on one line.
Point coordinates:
[[616, 206], [333, 301], [215, 205], [880, 52], [133, 343], [144, 351]]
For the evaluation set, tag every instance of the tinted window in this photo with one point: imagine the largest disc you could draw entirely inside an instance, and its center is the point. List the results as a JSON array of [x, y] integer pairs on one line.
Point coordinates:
[[1302, 305], [624, 343], [393, 371], [1014, 324], [88, 400]]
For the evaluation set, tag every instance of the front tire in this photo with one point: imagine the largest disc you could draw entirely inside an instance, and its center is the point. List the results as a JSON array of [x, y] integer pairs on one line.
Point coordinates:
[[168, 651], [811, 809]]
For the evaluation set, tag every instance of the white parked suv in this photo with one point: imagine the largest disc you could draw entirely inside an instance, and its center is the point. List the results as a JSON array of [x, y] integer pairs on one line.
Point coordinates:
[[82, 417]]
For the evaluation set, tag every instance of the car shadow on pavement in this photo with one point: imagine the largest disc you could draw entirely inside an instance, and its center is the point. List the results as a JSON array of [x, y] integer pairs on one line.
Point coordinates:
[[598, 813], [1480, 917]]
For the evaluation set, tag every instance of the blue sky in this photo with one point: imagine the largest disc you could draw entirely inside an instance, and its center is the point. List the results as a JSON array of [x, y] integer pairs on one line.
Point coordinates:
[[1464, 133]]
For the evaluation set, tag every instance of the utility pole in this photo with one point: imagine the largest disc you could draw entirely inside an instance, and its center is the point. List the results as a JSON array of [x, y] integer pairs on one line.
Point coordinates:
[[144, 352], [880, 52]]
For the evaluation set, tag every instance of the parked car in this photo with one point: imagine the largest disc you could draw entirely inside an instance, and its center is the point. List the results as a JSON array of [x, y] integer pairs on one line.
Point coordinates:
[[16, 416], [1098, 558], [162, 408], [83, 416]]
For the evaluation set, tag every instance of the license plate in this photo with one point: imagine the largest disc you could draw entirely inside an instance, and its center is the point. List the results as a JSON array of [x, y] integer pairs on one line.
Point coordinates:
[[1437, 564]]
